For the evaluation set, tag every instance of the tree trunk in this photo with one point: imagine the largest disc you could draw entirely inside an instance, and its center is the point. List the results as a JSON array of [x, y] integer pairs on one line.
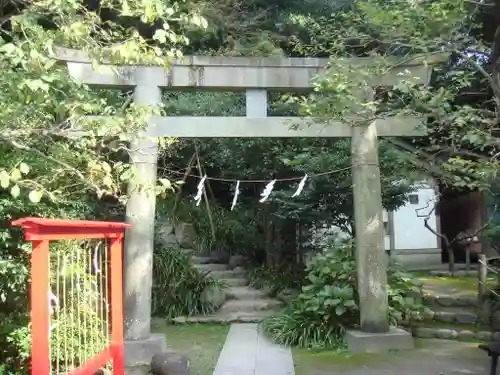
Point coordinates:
[[467, 258], [451, 260]]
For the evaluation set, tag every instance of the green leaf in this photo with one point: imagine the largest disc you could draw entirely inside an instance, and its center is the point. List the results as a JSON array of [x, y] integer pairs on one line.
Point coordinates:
[[24, 168], [350, 303], [35, 196], [107, 181], [4, 179], [106, 167], [340, 310], [166, 183], [15, 174], [15, 191]]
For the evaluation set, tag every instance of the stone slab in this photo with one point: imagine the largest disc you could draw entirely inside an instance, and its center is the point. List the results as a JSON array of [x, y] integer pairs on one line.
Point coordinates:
[[238, 354], [138, 353], [272, 359], [248, 352], [364, 342], [233, 73]]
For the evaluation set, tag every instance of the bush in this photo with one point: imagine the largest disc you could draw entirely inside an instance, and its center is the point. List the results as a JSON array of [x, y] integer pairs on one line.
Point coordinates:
[[275, 281], [179, 287], [328, 304]]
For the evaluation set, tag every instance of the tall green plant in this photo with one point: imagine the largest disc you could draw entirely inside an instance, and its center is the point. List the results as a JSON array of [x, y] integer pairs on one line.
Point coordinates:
[[328, 303], [179, 287]]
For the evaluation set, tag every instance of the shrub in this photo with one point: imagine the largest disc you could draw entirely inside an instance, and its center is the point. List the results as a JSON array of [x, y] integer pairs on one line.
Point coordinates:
[[275, 281], [179, 287], [328, 304]]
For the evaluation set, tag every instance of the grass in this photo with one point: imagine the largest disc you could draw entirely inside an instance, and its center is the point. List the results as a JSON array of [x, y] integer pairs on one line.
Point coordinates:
[[395, 362], [310, 362], [464, 283], [202, 343]]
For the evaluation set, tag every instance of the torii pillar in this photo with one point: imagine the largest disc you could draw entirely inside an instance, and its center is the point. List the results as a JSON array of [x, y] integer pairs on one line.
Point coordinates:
[[140, 344]]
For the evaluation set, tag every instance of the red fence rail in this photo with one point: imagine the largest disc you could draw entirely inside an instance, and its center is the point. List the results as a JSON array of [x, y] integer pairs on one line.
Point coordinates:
[[41, 233]]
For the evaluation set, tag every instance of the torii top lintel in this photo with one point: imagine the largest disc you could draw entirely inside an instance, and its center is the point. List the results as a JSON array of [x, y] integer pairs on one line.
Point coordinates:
[[218, 73]]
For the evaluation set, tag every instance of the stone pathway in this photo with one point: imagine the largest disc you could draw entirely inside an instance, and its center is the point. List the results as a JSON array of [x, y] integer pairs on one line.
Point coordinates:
[[248, 352]]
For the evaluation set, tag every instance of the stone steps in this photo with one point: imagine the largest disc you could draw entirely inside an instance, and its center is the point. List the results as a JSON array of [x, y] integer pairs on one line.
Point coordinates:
[[249, 305], [458, 273], [218, 317], [450, 301], [455, 333], [212, 267], [458, 315], [236, 281], [227, 274], [201, 260], [244, 293]]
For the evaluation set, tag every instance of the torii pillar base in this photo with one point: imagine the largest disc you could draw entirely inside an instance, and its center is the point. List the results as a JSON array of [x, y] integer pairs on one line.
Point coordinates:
[[364, 342], [139, 353]]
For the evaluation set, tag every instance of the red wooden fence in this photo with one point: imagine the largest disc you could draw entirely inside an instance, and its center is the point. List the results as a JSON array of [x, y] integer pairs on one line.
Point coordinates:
[[41, 233]]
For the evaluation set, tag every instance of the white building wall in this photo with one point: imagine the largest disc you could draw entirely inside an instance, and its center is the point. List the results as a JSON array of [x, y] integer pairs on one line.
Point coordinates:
[[410, 232], [414, 245]]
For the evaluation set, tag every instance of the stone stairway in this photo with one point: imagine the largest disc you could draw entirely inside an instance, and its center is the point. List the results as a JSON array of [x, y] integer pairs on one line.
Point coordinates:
[[455, 314], [243, 303]]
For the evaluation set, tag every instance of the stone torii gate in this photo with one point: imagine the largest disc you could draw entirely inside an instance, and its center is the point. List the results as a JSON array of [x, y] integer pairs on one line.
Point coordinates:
[[254, 76]]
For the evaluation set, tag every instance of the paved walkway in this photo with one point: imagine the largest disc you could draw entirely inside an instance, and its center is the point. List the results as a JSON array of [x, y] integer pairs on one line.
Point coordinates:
[[248, 352]]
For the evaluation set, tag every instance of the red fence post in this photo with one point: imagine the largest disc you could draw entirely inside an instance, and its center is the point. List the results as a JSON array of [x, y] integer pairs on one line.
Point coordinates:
[[117, 305], [40, 308]]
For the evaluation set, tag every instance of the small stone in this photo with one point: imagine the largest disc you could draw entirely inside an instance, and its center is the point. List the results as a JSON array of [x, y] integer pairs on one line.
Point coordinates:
[[185, 235], [466, 318], [170, 363], [466, 335], [219, 257], [239, 270], [430, 300], [465, 301], [180, 320], [446, 301], [484, 336], [444, 316], [214, 296], [425, 333], [460, 273], [446, 334], [165, 233], [429, 314], [238, 261], [472, 273]]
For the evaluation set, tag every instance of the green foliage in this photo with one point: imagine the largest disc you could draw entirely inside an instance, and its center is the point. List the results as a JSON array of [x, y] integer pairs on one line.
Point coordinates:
[[328, 303], [179, 287], [217, 228], [491, 235], [274, 281]]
